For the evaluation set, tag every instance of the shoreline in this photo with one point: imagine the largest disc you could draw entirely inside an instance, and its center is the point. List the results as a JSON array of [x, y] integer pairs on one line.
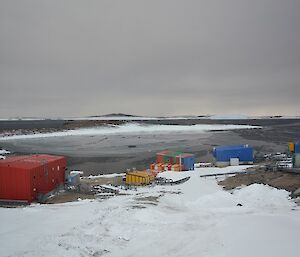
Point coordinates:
[[106, 154]]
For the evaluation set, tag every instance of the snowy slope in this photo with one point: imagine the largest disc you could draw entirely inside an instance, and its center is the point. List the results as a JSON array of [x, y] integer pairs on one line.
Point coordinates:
[[196, 218]]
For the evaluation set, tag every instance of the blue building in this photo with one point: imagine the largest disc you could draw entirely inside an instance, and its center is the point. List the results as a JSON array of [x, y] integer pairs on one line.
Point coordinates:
[[187, 161], [297, 147], [233, 155]]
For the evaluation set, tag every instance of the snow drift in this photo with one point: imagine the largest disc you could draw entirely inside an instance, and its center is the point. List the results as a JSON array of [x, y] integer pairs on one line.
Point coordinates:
[[133, 129]]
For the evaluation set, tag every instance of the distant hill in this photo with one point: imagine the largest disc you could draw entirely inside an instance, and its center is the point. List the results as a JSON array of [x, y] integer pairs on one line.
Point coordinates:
[[115, 115]]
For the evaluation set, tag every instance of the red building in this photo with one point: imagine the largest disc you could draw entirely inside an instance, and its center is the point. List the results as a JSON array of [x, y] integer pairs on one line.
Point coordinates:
[[24, 178]]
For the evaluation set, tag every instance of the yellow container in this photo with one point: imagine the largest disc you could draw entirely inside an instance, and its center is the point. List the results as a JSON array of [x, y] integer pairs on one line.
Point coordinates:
[[176, 167], [291, 146], [139, 178]]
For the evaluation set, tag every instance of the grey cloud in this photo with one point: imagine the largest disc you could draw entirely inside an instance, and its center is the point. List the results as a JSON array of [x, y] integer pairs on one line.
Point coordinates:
[[149, 57]]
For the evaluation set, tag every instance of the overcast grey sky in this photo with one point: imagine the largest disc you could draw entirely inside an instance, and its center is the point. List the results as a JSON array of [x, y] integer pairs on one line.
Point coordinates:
[[74, 58]]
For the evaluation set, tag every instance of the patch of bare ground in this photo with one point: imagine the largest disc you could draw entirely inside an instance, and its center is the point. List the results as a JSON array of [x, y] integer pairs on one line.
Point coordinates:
[[68, 196], [142, 202], [277, 179], [116, 181], [149, 199], [75, 124], [86, 185]]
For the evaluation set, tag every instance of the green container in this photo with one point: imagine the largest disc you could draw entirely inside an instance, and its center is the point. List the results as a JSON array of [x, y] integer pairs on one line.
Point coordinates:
[[166, 159], [296, 160], [171, 157]]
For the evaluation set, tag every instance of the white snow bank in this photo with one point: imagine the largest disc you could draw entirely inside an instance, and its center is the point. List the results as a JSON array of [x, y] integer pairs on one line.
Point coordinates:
[[72, 172], [3, 151], [175, 175], [203, 171], [198, 193], [113, 175], [132, 128], [216, 170], [253, 197], [229, 117], [203, 164], [260, 196]]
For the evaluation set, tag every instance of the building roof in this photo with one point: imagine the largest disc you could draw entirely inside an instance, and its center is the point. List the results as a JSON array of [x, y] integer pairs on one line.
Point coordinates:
[[29, 161], [231, 147], [183, 155], [174, 153], [168, 152]]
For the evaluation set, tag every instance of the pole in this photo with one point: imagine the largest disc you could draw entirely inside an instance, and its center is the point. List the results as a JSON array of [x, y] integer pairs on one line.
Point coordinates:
[[180, 162]]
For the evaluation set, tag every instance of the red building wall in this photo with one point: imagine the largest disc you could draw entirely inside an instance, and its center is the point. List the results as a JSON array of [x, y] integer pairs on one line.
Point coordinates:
[[23, 178]]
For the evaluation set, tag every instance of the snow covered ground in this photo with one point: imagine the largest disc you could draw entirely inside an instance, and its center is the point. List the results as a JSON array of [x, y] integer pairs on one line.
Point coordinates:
[[196, 218], [3, 153], [131, 128]]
